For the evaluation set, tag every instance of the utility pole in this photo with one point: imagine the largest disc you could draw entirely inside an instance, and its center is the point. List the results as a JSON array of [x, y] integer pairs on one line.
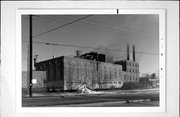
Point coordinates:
[[30, 57]]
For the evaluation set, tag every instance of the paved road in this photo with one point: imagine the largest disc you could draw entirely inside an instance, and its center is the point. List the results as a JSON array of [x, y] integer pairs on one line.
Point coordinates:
[[116, 104], [93, 100]]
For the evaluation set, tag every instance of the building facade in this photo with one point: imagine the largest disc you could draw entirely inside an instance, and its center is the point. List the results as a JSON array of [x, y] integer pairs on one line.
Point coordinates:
[[130, 67], [68, 73], [131, 70], [91, 69]]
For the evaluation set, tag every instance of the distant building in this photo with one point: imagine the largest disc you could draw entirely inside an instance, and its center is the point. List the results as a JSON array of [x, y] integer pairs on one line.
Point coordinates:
[[130, 67], [38, 81], [131, 70], [146, 82]]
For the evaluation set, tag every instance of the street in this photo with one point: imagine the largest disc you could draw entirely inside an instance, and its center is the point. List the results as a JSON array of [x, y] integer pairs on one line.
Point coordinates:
[[98, 100]]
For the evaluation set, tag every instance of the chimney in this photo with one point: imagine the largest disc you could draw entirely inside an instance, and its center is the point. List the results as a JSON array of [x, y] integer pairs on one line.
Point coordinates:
[[134, 53], [128, 51], [78, 52]]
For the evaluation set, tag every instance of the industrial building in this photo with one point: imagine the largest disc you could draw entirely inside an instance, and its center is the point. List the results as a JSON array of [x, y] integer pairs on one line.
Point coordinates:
[[91, 69], [68, 73], [130, 67]]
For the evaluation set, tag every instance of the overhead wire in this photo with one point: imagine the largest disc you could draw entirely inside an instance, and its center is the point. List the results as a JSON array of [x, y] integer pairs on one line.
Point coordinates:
[[57, 44], [88, 47], [102, 27], [123, 28], [61, 26], [107, 28]]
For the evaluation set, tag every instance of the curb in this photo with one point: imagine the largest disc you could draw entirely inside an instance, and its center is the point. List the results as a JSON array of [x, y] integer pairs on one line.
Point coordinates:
[[140, 100]]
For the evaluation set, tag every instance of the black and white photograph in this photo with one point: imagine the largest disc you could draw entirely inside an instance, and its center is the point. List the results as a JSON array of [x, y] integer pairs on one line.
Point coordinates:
[[90, 60]]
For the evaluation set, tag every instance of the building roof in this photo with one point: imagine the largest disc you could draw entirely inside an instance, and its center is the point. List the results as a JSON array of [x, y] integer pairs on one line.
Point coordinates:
[[62, 57]]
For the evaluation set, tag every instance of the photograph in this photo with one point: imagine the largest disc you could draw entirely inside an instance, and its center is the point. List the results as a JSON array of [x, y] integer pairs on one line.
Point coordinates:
[[90, 60]]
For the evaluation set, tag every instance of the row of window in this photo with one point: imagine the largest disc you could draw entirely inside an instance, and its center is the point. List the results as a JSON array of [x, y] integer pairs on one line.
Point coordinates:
[[111, 74], [72, 63], [104, 73], [98, 82], [129, 77], [48, 65], [132, 70], [87, 66], [80, 72], [132, 64]]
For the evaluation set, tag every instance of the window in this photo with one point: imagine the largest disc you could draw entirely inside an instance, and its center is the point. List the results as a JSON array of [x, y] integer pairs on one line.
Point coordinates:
[[104, 72], [110, 73], [124, 76], [78, 68]]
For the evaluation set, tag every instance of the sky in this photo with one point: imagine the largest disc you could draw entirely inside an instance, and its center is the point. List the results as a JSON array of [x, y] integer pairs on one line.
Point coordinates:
[[96, 31]]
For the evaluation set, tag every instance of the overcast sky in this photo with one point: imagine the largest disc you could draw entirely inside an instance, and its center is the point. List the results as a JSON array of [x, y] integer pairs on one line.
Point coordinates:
[[98, 31]]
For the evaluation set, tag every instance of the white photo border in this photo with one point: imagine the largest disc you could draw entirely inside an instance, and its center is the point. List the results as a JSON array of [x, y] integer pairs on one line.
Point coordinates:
[[9, 54]]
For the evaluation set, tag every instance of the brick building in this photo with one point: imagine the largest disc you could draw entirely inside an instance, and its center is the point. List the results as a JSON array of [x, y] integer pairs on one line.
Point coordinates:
[[131, 70], [67, 73], [130, 67]]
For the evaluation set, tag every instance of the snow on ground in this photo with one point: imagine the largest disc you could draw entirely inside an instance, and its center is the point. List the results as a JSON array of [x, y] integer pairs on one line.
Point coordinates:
[[85, 91]]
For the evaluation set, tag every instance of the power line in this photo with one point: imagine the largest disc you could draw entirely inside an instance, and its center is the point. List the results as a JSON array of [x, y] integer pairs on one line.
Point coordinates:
[[123, 28], [61, 26], [105, 28], [108, 27], [58, 44]]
